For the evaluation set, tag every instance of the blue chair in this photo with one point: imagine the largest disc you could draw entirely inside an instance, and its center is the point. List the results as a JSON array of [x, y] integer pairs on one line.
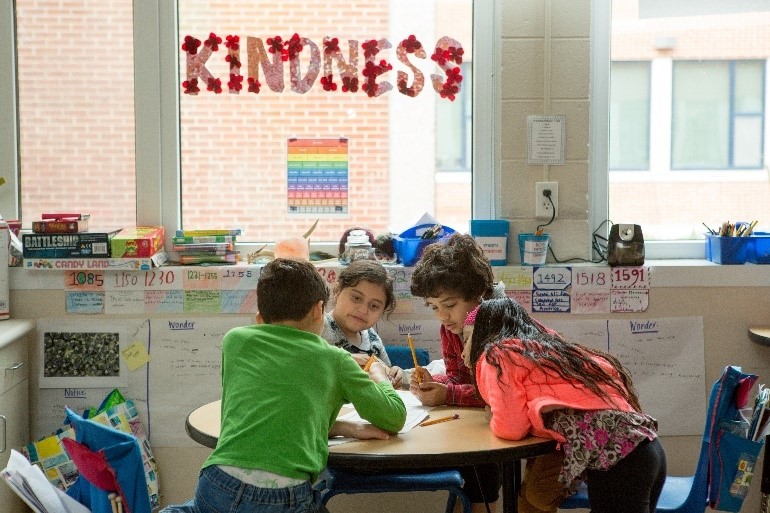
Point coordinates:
[[686, 494], [401, 356], [335, 481]]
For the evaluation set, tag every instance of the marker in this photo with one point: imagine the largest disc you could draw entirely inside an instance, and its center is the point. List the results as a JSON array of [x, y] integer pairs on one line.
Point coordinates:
[[440, 419]]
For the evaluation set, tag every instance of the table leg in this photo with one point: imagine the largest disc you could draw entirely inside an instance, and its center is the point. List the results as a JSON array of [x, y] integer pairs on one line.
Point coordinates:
[[765, 482], [511, 483]]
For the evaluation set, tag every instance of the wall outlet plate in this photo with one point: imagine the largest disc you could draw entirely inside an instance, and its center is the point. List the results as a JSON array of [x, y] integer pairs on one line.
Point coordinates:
[[543, 208]]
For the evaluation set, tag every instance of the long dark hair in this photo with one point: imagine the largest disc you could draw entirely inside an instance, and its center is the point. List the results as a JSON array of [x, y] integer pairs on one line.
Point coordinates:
[[499, 320]]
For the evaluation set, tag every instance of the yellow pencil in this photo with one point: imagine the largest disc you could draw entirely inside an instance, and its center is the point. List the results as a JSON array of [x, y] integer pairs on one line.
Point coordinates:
[[414, 356], [440, 419], [369, 363]]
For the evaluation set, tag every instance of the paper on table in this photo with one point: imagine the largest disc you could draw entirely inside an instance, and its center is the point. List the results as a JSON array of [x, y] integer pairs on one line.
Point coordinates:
[[415, 413]]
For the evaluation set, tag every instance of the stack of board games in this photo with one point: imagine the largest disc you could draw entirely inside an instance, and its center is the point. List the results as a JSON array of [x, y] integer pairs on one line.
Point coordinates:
[[65, 241], [207, 246]]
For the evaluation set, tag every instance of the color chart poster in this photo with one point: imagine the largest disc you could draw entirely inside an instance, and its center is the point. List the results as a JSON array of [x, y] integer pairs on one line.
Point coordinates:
[[317, 176]]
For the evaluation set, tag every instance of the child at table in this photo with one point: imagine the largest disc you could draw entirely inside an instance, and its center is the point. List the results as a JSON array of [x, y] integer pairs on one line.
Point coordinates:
[[282, 388], [362, 293], [453, 278], [537, 383]]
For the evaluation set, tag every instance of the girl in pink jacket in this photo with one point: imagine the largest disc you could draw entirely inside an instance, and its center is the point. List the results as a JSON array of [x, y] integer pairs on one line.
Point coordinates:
[[537, 383]]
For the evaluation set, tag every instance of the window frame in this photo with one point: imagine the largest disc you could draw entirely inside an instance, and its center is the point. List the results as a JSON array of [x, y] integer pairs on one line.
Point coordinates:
[[157, 93], [601, 25]]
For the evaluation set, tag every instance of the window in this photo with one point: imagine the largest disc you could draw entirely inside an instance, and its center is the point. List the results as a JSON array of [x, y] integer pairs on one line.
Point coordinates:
[[234, 144], [453, 146], [76, 110], [718, 115], [222, 159], [685, 123], [629, 115]]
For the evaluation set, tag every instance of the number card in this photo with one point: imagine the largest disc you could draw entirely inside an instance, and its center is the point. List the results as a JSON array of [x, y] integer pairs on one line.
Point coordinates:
[[637, 278], [515, 278], [551, 286], [84, 280]]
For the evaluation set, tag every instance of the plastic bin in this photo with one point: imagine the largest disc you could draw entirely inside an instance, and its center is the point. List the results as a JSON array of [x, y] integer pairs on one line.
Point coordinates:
[[409, 245], [759, 248], [727, 250], [492, 236], [533, 249]]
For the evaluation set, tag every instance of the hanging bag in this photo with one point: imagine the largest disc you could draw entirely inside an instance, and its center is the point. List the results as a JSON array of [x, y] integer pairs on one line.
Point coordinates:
[[732, 456]]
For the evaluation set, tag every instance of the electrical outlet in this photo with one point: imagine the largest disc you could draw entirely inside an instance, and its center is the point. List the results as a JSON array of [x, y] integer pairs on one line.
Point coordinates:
[[543, 207]]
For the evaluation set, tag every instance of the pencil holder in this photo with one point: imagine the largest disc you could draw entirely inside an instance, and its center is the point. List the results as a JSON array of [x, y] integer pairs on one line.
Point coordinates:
[[727, 250], [759, 248], [533, 248]]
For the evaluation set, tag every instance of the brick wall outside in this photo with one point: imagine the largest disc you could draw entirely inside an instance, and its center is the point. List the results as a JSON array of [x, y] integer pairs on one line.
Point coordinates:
[[77, 124]]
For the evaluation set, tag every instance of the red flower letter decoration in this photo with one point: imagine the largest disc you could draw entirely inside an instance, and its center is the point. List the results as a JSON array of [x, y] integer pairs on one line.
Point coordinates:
[[213, 42], [191, 45]]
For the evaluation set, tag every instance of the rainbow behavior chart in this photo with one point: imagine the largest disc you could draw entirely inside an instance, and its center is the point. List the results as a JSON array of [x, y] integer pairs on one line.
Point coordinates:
[[317, 176]]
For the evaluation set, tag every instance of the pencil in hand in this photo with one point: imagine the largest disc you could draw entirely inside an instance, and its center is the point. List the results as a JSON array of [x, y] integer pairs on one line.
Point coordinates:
[[414, 358], [439, 420], [369, 363]]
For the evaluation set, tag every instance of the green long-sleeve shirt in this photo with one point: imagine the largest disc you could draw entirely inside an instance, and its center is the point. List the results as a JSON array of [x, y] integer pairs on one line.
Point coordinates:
[[282, 389]]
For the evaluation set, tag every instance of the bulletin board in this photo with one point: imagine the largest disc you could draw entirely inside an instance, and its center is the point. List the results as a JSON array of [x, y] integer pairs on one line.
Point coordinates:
[[172, 365]]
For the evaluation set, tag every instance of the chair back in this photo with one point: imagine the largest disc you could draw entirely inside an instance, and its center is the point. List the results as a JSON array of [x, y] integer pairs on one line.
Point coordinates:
[[401, 356], [109, 463], [695, 488]]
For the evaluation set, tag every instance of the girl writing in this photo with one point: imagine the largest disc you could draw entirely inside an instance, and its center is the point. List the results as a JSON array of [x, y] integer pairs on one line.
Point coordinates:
[[362, 294]]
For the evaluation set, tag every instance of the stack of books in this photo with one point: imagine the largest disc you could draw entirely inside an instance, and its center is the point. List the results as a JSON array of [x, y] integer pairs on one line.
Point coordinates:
[[213, 246], [65, 241]]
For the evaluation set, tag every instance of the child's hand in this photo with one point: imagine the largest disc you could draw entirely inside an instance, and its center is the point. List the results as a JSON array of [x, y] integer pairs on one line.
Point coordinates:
[[396, 376], [419, 374], [360, 358], [430, 393], [378, 372]]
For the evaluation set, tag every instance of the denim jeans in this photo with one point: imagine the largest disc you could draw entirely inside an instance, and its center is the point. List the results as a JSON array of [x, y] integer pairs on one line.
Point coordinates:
[[219, 492]]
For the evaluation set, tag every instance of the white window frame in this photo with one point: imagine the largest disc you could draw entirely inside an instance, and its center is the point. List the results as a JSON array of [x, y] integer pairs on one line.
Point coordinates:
[[601, 21], [156, 86]]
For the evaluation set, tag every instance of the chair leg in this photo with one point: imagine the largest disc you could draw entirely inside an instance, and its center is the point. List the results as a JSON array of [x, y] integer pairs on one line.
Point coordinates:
[[452, 501]]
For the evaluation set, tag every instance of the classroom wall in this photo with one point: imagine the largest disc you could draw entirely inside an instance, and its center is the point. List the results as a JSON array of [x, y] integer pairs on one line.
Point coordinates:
[[728, 306]]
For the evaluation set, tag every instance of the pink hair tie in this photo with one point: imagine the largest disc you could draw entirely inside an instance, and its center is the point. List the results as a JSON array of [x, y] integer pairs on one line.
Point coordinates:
[[470, 319]]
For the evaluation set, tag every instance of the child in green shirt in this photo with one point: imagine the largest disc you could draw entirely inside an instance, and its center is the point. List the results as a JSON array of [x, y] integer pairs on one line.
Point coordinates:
[[282, 388]]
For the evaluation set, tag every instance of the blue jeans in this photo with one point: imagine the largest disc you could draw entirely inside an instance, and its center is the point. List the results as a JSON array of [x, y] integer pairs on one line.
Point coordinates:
[[219, 492]]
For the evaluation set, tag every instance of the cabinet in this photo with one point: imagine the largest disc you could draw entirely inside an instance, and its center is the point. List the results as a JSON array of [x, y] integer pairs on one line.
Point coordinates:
[[15, 337]]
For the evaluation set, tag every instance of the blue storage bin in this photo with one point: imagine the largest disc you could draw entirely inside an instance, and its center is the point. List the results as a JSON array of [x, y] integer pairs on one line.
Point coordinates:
[[409, 246], [492, 236], [727, 250], [759, 248]]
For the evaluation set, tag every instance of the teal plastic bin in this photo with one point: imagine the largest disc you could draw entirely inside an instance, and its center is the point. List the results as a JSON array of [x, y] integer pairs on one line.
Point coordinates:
[[492, 236]]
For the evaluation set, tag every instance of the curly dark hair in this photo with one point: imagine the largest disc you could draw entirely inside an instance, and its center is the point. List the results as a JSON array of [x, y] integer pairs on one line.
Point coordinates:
[[499, 320], [371, 271], [458, 266]]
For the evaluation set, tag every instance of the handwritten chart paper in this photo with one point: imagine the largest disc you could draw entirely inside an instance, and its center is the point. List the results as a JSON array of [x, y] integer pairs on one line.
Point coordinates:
[[665, 358]]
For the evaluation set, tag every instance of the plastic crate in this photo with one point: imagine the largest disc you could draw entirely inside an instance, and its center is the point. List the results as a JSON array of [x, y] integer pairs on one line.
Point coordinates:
[[727, 250], [759, 248], [409, 245]]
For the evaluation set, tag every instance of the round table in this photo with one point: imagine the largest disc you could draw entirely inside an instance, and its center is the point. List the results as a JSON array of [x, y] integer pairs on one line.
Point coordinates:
[[465, 441]]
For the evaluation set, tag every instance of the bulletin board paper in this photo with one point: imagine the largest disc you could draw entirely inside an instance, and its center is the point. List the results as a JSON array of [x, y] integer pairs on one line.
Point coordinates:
[[665, 358]]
